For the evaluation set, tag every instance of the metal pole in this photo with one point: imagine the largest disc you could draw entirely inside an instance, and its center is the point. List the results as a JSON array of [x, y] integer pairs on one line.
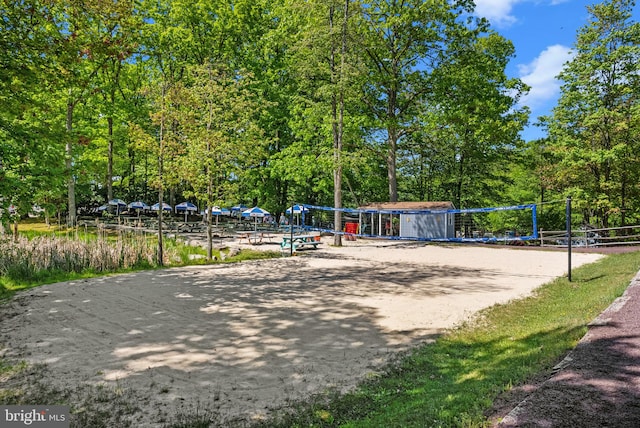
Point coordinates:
[[291, 226], [568, 215]]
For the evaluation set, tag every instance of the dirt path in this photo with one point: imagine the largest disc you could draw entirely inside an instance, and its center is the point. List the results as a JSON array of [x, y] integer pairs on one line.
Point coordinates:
[[598, 383], [247, 338]]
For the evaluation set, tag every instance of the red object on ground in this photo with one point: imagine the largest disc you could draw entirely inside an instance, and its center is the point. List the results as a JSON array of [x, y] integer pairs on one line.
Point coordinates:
[[351, 228]]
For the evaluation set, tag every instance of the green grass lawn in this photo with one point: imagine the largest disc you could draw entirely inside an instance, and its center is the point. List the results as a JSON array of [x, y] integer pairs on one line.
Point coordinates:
[[454, 381]]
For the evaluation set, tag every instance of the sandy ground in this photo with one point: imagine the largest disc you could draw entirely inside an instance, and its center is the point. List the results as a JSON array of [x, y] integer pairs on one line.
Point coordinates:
[[249, 337]]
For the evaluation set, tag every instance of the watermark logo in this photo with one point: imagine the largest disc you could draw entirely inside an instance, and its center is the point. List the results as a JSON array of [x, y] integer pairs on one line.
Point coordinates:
[[34, 416]]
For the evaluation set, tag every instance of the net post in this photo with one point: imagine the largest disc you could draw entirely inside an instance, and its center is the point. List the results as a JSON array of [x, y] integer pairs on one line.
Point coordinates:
[[534, 220], [291, 230], [568, 214]]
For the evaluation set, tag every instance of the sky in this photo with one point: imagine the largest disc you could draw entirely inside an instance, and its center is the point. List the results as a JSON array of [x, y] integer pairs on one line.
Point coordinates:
[[543, 33]]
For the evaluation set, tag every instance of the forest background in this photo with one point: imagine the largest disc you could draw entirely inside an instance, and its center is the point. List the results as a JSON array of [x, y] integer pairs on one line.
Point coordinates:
[[325, 102]]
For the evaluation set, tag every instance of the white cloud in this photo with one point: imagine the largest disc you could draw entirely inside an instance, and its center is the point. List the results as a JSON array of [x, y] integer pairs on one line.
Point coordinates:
[[541, 74], [498, 12]]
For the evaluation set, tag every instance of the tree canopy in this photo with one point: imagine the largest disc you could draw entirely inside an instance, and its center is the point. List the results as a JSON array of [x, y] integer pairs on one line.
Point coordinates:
[[337, 102]]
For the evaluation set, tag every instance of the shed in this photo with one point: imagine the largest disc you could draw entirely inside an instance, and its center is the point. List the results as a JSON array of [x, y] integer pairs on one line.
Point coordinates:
[[421, 220]]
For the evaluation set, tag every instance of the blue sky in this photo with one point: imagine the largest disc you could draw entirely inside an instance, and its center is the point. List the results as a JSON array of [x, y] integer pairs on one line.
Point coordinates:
[[543, 33]]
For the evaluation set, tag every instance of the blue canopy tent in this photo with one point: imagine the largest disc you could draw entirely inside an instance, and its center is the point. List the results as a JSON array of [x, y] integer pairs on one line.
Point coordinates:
[[297, 209], [138, 205], [216, 211]]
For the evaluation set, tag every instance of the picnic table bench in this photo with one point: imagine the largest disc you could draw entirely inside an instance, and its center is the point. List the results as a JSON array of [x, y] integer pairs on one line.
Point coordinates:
[[299, 241], [192, 227]]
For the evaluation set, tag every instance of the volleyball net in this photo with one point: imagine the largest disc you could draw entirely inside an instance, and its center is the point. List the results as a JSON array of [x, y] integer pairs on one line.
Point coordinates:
[[493, 224]]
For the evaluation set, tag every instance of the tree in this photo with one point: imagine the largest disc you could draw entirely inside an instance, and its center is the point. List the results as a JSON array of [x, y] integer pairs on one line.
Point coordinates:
[[85, 38], [29, 160], [327, 69], [121, 33], [594, 131], [223, 139], [402, 40], [472, 121]]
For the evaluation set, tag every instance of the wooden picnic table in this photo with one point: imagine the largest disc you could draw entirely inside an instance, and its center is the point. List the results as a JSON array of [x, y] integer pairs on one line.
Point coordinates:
[[194, 226], [252, 237]]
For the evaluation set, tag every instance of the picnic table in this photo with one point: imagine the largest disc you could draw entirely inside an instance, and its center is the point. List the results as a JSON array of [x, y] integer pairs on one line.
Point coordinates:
[[191, 227], [299, 241], [252, 237]]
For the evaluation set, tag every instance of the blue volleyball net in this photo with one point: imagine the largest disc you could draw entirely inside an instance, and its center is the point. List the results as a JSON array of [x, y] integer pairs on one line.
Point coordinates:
[[493, 224]]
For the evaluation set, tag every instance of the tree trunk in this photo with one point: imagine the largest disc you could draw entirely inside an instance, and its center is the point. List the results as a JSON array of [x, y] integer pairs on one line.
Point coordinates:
[[110, 160], [393, 136], [160, 260], [71, 191], [458, 195], [209, 185], [391, 169], [337, 143]]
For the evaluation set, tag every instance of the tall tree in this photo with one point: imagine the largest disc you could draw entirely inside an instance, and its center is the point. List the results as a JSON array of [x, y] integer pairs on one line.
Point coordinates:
[[402, 43], [84, 39], [472, 121], [595, 129], [28, 155], [327, 68], [121, 33], [223, 139]]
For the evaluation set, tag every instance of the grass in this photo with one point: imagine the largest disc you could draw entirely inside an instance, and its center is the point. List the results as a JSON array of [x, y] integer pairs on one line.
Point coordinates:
[[44, 254], [454, 381]]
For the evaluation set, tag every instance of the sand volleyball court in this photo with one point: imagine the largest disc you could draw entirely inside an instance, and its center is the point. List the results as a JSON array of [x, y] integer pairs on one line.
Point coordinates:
[[249, 337]]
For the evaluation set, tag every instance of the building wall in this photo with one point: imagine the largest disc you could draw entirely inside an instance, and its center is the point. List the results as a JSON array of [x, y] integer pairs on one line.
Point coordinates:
[[427, 226]]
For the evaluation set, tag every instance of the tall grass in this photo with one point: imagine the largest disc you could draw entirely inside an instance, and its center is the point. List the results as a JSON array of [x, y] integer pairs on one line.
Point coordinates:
[[25, 262], [24, 258], [40, 255]]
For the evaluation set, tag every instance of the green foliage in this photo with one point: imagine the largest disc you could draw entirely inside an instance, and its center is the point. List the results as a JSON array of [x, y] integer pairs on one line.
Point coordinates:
[[269, 102], [464, 162], [594, 129]]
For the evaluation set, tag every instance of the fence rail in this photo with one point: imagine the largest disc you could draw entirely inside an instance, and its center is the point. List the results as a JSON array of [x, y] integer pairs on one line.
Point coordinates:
[[587, 237]]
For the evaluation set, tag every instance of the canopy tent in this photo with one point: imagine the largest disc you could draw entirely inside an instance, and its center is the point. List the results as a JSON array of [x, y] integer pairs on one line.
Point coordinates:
[[138, 205], [238, 209], [186, 206], [118, 202], [216, 211], [297, 209]]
